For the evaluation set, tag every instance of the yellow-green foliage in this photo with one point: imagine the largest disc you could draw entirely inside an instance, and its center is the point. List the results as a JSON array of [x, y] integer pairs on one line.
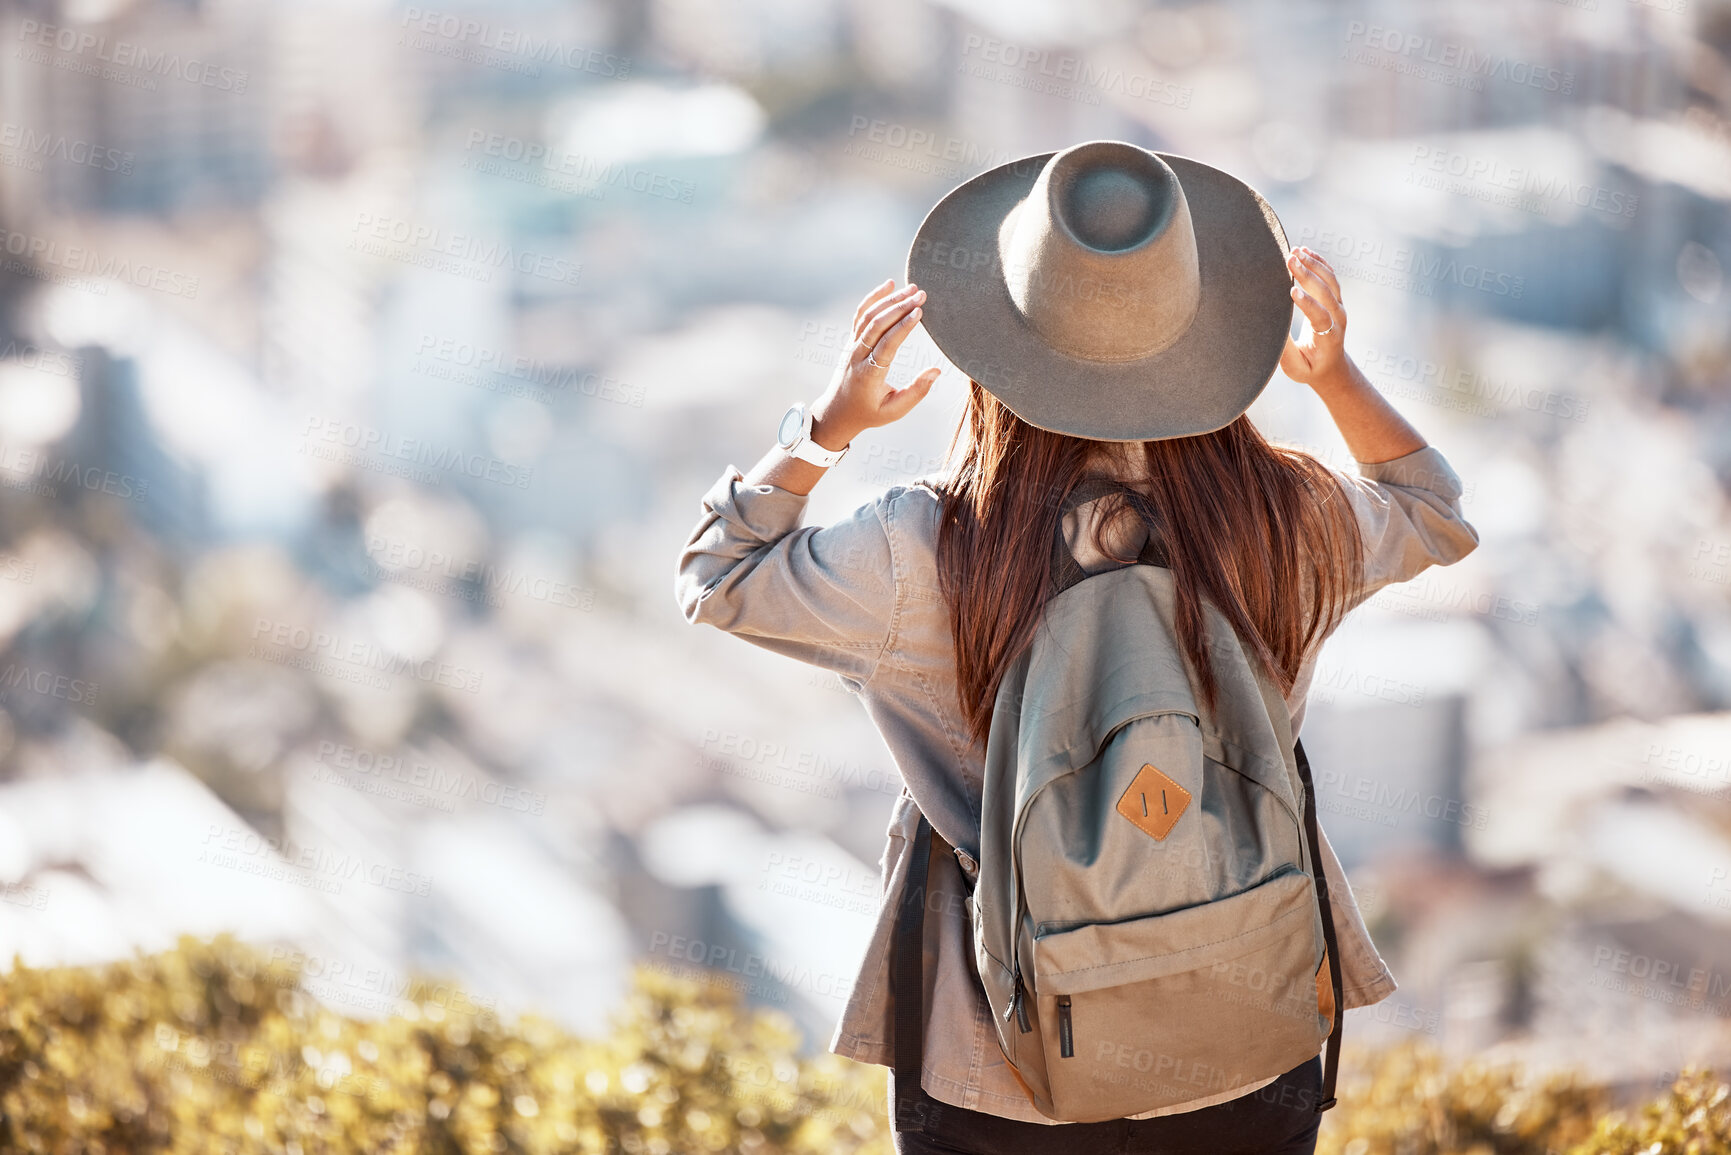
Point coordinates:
[[216, 1047], [1693, 1118], [1403, 1101]]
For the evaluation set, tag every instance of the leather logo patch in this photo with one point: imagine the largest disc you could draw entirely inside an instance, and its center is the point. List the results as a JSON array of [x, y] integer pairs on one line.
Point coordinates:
[[1153, 801], [1325, 988]]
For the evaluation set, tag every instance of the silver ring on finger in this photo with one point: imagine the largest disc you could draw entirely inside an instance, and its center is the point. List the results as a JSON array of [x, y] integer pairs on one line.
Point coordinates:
[[874, 362], [1324, 332]]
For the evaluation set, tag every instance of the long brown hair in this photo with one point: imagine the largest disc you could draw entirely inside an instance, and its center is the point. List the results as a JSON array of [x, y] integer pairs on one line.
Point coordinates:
[[1261, 532]]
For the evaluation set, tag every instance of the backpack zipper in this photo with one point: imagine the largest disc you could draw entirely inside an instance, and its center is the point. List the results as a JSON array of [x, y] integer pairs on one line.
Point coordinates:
[[1017, 1007], [1066, 1038]]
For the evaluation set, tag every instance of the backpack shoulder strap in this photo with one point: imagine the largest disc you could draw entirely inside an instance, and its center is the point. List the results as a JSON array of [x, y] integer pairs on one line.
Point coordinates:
[[1065, 570], [907, 980], [1331, 1064]]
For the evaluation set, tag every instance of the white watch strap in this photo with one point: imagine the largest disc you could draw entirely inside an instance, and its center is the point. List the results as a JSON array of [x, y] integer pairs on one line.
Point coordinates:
[[808, 450]]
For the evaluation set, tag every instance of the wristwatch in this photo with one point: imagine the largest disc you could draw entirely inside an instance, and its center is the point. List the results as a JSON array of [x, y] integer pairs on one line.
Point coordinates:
[[794, 436]]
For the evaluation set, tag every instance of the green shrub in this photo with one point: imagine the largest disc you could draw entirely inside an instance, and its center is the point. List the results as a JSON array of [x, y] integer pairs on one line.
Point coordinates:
[[217, 1047], [1403, 1101], [1692, 1118]]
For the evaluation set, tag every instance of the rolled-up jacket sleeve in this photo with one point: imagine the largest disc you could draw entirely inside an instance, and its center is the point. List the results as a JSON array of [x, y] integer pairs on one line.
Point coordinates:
[[826, 595], [1409, 515]]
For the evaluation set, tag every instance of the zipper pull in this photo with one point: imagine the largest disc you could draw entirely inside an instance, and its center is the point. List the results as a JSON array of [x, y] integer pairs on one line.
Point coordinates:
[[1066, 1036], [1015, 996]]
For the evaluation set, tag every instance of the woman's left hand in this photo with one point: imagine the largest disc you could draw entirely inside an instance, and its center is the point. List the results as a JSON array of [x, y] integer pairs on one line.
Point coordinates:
[[1318, 356], [859, 396]]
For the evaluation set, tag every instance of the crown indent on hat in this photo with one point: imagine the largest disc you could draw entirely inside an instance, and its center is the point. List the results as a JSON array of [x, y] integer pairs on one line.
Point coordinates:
[[1100, 257]]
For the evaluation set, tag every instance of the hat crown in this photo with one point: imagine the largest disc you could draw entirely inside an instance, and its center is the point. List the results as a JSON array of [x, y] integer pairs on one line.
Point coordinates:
[[1100, 257], [1109, 210]]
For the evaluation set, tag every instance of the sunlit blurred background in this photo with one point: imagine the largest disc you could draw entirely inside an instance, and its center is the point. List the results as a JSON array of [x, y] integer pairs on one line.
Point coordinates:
[[362, 366]]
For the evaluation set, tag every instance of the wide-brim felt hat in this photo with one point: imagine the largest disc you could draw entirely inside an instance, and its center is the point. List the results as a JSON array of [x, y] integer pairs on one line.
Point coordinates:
[[1108, 291]]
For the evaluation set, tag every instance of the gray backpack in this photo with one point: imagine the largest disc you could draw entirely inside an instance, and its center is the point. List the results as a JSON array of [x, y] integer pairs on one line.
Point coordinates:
[[1149, 917]]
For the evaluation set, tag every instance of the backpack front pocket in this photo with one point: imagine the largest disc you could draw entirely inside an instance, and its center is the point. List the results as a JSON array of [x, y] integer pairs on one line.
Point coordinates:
[[1157, 1011]]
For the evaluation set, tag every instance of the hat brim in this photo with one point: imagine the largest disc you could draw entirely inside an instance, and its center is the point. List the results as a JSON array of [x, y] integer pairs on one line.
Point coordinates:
[[1199, 383]]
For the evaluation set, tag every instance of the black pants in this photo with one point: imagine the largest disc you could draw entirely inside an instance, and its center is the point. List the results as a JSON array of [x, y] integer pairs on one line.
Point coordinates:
[[1279, 1119]]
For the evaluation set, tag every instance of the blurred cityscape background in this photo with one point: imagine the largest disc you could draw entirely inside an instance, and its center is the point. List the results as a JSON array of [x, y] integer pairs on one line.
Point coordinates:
[[362, 366]]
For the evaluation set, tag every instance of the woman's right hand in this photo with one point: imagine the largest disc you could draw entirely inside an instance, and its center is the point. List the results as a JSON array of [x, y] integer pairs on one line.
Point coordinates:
[[859, 396], [1318, 356]]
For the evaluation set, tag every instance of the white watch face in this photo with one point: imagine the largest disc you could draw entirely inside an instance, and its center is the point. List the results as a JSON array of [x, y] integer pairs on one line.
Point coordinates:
[[791, 423]]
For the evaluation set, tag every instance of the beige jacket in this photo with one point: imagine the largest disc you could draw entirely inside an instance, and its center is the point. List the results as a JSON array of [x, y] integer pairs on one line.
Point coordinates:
[[860, 597]]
